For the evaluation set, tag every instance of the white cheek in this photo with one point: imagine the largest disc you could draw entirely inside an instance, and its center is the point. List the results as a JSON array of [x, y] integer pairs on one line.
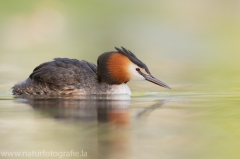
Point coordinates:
[[134, 74]]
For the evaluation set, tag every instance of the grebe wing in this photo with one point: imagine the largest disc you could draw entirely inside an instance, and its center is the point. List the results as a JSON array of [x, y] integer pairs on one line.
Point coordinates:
[[64, 71]]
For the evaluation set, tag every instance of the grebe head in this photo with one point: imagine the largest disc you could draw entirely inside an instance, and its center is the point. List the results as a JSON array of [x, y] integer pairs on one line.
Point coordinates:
[[117, 67]]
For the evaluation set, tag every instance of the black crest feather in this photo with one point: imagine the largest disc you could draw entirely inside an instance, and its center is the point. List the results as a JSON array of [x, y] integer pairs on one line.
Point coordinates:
[[133, 58]]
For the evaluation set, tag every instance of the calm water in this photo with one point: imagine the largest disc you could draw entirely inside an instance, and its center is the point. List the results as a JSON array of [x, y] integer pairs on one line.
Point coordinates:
[[148, 126]]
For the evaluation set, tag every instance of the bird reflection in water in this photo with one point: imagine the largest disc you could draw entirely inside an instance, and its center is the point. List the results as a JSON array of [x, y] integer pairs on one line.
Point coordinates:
[[104, 108], [113, 131]]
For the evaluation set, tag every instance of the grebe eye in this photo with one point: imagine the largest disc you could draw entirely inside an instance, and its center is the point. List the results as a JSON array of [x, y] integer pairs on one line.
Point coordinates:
[[137, 69]]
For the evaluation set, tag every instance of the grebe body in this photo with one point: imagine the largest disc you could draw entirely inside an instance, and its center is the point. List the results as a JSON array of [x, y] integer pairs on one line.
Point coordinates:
[[64, 76]]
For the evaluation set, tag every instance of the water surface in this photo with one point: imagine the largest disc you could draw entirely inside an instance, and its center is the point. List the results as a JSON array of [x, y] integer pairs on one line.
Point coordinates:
[[147, 126]]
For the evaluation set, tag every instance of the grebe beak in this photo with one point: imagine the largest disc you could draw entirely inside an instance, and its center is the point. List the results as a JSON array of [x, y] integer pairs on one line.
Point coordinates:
[[152, 79]]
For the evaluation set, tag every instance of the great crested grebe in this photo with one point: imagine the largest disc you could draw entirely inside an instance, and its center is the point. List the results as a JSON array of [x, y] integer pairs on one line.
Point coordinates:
[[65, 76]]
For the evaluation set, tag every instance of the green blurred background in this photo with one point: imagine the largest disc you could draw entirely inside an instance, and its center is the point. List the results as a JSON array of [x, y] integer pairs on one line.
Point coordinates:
[[193, 46], [190, 45]]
